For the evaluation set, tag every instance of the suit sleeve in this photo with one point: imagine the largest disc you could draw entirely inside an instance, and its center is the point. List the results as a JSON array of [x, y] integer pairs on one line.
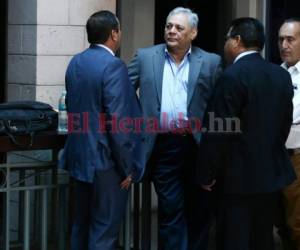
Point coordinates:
[[227, 103], [218, 70], [230, 97], [289, 111], [134, 71], [122, 106]]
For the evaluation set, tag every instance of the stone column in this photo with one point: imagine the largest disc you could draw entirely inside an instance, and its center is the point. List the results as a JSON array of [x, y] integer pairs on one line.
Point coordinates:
[[137, 24], [252, 8]]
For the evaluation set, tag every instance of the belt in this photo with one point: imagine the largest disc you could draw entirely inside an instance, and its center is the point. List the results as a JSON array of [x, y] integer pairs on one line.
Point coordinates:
[[293, 151], [181, 132]]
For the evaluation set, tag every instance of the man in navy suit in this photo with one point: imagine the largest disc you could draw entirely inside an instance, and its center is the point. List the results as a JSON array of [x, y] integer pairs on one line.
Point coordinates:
[[99, 154], [247, 155]]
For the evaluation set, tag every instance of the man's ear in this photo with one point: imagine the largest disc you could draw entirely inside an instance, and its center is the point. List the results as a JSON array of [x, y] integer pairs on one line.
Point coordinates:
[[194, 33], [237, 41], [114, 35]]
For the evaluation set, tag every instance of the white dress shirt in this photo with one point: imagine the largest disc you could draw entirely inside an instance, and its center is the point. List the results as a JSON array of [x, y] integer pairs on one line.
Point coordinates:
[[244, 54], [174, 92], [293, 140], [105, 47]]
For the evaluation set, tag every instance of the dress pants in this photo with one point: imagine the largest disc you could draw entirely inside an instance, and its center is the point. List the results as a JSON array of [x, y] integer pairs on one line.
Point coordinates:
[[99, 209], [283, 230], [245, 222], [292, 202], [182, 225]]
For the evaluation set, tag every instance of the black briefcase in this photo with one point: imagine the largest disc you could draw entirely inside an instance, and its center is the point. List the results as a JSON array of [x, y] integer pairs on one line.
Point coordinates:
[[26, 118]]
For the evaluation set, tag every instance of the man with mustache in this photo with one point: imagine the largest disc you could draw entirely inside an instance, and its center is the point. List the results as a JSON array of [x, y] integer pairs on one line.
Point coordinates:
[[289, 47], [175, 81]]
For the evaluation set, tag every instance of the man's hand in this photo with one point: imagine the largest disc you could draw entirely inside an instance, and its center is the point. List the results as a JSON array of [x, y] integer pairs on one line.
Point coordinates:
[[209, 187], [125, 184]]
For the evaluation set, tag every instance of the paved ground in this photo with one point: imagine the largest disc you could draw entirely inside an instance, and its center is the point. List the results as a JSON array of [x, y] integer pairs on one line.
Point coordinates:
[[212, 243]]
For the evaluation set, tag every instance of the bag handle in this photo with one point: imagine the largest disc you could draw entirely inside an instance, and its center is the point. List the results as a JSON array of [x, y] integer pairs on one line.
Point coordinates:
[[14, 140], [12, 137]]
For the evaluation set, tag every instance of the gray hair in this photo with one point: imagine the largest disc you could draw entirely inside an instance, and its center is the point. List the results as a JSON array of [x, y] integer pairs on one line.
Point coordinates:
[[192, 16]]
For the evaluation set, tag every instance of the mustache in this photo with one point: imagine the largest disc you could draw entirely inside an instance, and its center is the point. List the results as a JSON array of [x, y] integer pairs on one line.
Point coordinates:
[[284, 51], [171, 36]]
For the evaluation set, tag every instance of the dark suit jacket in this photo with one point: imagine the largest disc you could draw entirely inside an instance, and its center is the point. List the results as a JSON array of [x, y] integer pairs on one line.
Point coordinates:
[[259, 94], [97, 83], [146, 74]]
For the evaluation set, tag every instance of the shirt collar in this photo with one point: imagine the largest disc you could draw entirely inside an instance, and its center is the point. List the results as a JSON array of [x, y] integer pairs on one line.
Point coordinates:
[[244, 54], [105, 47], [297, 66], [186, 55]]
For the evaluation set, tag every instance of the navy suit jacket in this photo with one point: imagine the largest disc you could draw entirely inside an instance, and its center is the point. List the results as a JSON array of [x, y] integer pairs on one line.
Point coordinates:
[[259, 96], [98, 89]]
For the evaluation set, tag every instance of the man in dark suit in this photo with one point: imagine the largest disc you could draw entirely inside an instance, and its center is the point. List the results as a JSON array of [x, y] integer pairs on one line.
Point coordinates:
[[175, 81], [100, 155], [247, 153]]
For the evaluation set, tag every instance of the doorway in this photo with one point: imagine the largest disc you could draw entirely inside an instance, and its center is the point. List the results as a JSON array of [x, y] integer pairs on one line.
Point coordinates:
[[143, 22], [214, 18]]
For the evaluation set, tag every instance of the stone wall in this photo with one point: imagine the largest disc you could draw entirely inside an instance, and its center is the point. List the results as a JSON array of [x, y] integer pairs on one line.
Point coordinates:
[[42, 37]]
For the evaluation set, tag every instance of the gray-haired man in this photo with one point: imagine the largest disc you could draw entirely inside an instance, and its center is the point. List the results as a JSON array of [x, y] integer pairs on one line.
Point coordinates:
[[175, 81]]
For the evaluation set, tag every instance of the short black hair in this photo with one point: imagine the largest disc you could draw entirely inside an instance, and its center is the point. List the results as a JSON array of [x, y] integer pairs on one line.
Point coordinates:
[[100, 25], [250, 30]]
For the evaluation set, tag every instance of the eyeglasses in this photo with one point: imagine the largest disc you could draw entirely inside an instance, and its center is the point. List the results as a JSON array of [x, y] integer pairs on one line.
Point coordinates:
[[226, 38]]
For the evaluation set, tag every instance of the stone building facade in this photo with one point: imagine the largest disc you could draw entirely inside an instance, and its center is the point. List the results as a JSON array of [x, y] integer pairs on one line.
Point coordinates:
[[42, 36]]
